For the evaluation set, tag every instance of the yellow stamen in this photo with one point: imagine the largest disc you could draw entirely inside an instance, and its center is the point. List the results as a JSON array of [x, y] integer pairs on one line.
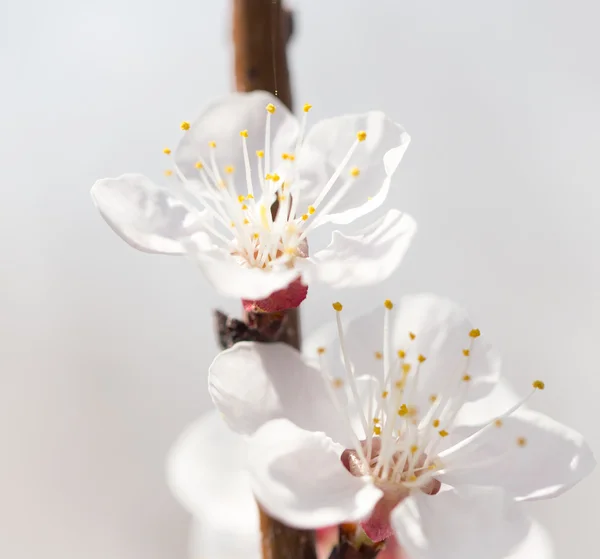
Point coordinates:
[[401, 353], [403, 410], [432, 398], [355, 171], [311, 210], [166, 151], [384, 394], [539, 385], [241, 198], [246, 221], [413, 449], [422, 358], [307, 107], [466, 378], [436, 423], [212, 144], [443, 433], [260, 153], [378, 355], [466, 352], [361, 136], [406, 367], [337, 306], [337, 382], [198, 165], [168, 173], [244, 133], [229, 169], [185, 125], [521, 441], [388, 304], [498, 423], [412, 335], [377, 430], [475, 333], [304, 217], [270, 108], [320, 350]]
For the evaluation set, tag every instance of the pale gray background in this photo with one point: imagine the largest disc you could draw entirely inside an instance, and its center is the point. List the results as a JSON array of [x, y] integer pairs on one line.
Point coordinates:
[[104, 350]]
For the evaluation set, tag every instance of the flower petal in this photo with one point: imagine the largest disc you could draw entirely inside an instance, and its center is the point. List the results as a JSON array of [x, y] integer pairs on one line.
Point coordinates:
[[206, 471], [530, 456], [222, 123], [148, 217], [232, 278], [218, 539], [252, 383], [367, 257], [206, 454], [441, 332], [468, 524], [298, 478], [376, 159]]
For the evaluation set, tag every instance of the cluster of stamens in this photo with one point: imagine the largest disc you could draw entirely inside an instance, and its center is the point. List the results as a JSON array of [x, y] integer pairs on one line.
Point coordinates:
[[255, 230], [402, 444]]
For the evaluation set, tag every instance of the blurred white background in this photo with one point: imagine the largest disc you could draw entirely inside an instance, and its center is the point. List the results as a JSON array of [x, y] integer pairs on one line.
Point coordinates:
[[104, 350]]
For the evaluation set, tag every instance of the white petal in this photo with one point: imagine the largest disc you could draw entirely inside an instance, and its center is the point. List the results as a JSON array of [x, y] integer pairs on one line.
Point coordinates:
[[377, 158], [298, 478], [207, 473], [537, 545], [473, 523], [442, 332], [233, 279], [252, 383], [148, 217], [222, 122], [365, 258], [217, 539], [552, 460]]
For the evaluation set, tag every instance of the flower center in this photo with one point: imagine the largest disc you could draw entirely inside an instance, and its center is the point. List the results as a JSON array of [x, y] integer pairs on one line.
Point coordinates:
[[405, 429], [245, 222]]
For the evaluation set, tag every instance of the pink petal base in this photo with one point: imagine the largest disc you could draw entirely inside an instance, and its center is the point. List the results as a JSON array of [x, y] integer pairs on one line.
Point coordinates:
[[288, 298]]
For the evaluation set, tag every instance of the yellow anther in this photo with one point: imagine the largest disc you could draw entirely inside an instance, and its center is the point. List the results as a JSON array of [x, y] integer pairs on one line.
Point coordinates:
[[466, 352], [384, 394], [376, 430], [337, 306], [406, 367], [250, 196], [498, 423], [361, 136], [403, 410], [412, 335], [167, 151], [432, 467], [320, 350], [275, 177], [388, 304], [521, 441], [244, 133], [221, 184], [413, 449], [255, 235], [244, 207], [401, 353], [212, 144], [270, 108], [443, 433], [311, 210], [475, 333], [232, 224], [241, 198], [378, 355], [538, 385], [412, 478], [304, 217], [287, 156], [168, 173], [412, 411], [338, 382], [246, 221], [291, 251], [466, 378], [292, 157], [376, 420], [198, 165], [281, 197], [400, 384], [421, 358], [436, 423], [355, 171], [260, 153], [268, 176], [307, 107], [185, 125], [432, 398], [229, 169]]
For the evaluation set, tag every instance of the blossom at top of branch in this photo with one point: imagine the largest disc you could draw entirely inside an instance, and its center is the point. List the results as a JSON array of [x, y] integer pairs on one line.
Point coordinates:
[[245, 153], [396, 428]]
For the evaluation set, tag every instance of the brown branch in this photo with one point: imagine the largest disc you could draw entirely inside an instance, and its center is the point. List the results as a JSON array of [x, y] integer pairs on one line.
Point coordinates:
[[261, 30]]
